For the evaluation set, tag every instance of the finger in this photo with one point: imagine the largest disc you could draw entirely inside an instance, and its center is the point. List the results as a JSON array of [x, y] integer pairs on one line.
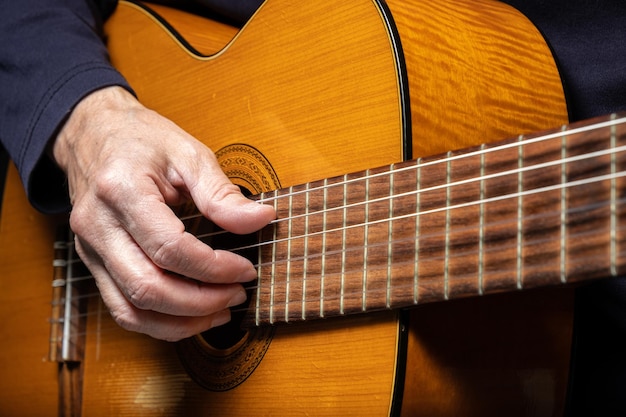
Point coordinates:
[[217, 198], [164, 240], [155, 324], [139, 209], [147, 287]]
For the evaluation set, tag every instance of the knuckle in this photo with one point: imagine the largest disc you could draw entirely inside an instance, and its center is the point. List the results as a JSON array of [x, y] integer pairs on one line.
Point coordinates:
[[79, 218], [109, 183], [143, 293], [125, 318], [167, 254]]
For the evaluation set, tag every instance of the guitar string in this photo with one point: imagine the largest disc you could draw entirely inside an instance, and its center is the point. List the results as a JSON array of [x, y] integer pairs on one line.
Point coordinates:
[[530, 218], [409, 286], [443, 209], [447, 159], [529, 269], [446, 186], [530, 168]]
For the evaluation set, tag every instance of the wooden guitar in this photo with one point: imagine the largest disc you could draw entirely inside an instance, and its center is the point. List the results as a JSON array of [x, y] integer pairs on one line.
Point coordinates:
[[303, 94]]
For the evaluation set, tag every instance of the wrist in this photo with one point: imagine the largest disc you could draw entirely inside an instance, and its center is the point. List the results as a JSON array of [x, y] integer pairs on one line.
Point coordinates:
[[87, 119]]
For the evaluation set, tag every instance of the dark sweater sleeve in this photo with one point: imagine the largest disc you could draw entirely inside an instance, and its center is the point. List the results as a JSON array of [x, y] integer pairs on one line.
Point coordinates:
[[588, 40], [51, 56]]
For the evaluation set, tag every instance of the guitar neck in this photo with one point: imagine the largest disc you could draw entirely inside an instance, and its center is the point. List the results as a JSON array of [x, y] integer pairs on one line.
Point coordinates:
[[527, 212]]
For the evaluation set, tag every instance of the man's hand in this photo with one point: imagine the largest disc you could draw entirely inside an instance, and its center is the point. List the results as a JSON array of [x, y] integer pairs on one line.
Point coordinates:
[[126, 166]]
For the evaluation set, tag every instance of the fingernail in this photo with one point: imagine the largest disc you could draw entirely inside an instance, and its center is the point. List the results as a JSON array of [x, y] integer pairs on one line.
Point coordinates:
[[248, 275], [237, 299]]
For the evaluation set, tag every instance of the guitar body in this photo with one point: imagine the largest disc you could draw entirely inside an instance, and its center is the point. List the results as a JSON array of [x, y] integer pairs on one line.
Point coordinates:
[[310, 90]]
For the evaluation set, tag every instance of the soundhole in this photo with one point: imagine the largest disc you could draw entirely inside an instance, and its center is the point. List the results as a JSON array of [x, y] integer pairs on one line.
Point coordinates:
[[224, 357]]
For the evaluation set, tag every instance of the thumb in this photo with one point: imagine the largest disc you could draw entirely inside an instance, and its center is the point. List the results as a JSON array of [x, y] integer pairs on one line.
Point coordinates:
[[222, 202], [238, 214]]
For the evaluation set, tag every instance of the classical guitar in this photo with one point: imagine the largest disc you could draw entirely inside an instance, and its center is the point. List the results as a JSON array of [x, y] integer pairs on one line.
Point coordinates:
[[377, 283]]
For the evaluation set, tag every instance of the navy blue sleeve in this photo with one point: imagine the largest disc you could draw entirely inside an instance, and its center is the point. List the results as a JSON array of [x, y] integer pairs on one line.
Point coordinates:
[[51, 56]]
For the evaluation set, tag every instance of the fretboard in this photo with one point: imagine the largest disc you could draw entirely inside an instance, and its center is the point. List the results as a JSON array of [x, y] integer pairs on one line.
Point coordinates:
[[526, 212]]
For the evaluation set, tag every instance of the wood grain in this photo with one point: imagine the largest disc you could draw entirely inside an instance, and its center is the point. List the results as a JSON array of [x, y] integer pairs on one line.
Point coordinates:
[[479, 71], [25, 295]]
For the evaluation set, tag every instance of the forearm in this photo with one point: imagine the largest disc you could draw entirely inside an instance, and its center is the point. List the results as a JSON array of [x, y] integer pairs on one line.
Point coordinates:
[[52, 55]]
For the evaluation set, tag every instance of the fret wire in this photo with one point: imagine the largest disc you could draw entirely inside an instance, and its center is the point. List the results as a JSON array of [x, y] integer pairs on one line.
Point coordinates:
[[446, 261], [520, 211], [306, 253], [324, 234], [365, 239], [563, 209], [417, 232], [259, 275], [485, 150], [390, 236], [288, 273], [344, 242], [274, 263], [613, 199], [481, 226]]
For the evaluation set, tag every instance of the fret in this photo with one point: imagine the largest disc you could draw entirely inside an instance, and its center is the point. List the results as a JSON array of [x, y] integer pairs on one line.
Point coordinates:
[[501, 188], [324, 237], [289, 254], [613, 198], [344, 251], [306, 250], [274, 265], [390, 236], [446, 260], [272, 282], [520, 211], [418, 209], [365, 241], [260, 269], [481, 223], [563, 257]]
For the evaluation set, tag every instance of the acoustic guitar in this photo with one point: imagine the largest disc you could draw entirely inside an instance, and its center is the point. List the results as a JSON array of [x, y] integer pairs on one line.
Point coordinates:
[[393, 282]]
